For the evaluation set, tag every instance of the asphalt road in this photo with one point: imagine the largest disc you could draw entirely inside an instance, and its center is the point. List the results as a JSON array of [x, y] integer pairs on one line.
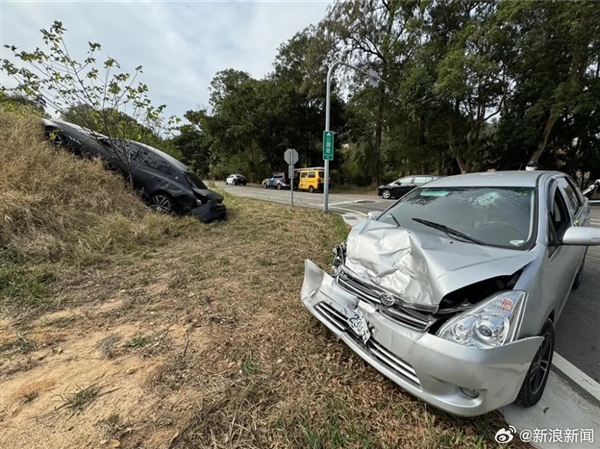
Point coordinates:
[[578, 330]]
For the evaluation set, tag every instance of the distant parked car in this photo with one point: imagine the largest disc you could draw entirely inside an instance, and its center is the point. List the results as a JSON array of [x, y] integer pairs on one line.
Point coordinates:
[[236, 179], [165, 183], [402, 186], [278, 180]]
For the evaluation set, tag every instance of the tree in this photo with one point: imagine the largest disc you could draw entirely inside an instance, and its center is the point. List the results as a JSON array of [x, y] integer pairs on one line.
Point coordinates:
[[110, 101]]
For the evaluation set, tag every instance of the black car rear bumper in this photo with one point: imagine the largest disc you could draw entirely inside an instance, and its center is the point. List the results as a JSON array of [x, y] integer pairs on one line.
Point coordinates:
[[210, 211]]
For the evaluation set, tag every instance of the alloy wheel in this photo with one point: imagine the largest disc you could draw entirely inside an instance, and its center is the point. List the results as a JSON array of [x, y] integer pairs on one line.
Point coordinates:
[[161, 204], [386, 194], [540, 365]]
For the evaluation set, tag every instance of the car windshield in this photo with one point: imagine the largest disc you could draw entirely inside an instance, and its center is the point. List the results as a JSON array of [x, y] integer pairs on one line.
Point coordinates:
[[494, 216], [195, 181]]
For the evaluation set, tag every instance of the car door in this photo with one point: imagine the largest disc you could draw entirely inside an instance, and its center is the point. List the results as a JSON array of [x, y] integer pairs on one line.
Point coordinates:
[[302, 185], [402, 186], [561, 267]]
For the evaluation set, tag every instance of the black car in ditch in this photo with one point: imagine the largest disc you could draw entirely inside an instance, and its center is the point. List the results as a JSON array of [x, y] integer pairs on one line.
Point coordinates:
[[165, 183]]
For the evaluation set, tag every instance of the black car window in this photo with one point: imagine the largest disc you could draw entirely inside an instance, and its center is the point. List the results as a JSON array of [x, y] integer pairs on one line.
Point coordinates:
[[303, 174], [573, 200], [194, 180], [311, 174], [321, 174]]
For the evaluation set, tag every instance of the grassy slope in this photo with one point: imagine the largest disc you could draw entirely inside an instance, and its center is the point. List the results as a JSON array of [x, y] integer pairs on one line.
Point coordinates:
[[118, 325]]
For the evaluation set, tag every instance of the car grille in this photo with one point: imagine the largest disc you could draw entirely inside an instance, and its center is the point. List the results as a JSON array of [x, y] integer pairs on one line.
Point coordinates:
[[333, 316], [398, 366], [402, 315]]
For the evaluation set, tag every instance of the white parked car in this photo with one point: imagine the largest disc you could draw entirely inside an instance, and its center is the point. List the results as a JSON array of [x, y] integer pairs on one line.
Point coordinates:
[[236, 179]]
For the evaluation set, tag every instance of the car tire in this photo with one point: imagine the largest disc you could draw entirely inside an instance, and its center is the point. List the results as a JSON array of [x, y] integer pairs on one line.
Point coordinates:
[[265, 185], [386, 194], [278, 186], [235, 183], [533, 385], [311, 189], [162, 203]]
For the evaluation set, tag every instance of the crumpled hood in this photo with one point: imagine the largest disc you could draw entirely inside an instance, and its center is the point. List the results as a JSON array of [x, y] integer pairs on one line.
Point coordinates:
[[421, 268], [209, 194]]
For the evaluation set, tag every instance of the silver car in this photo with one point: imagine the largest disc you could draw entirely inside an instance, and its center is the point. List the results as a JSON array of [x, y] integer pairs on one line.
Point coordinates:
[[454, 291]]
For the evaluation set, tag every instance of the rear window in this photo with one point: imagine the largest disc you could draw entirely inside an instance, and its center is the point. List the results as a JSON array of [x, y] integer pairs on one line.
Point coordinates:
[[321, 174], [194, 180]]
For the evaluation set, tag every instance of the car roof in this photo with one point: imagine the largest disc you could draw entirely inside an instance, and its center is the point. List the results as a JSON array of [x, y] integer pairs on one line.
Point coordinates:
[[73, 126], [514, 178]]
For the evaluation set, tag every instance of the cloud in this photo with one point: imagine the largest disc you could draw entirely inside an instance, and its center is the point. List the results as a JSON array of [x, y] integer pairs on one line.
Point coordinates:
[[180, 44]]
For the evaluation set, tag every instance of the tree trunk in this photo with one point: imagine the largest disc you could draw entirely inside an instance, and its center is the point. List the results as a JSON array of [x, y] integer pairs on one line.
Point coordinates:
[[578, 66], [459, 160], [545, 135]]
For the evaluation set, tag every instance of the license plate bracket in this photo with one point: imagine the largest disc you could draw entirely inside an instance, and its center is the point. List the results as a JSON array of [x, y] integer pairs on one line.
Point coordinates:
[[358, 325]]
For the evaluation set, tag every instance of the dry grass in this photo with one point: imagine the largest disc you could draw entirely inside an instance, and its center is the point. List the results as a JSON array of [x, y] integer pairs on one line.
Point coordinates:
[[214, 349], [56, 209]]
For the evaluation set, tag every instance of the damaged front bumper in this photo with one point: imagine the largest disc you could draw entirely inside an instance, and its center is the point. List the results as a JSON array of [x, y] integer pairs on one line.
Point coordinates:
[[210, 211], [442, 373]]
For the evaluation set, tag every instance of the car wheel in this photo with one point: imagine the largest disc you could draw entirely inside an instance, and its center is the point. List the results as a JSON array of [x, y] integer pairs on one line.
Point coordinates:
[[161, 203], [235, 183], [386, 194], [278, 186], [265, 185], [311, 189], [537, 375]]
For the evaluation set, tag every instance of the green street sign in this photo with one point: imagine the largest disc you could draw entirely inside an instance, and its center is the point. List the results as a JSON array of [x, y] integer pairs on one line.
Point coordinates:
[[327, 145]]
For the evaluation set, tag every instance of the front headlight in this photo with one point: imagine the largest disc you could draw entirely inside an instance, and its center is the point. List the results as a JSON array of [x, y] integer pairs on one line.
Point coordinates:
[[490, 324]]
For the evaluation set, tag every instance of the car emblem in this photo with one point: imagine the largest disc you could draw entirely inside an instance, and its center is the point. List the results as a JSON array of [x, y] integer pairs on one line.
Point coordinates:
[[387, 299]]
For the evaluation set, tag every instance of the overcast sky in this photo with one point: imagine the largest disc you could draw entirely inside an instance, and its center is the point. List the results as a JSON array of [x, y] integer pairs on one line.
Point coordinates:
[[180, 44]]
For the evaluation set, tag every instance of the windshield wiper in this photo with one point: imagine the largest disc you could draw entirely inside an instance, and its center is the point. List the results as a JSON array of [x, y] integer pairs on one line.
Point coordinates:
[[449, 231], [395, 220]]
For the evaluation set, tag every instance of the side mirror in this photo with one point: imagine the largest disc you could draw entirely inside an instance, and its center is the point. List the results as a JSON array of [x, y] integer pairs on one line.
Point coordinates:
[[581, 236], [374, 214], [398, 183]]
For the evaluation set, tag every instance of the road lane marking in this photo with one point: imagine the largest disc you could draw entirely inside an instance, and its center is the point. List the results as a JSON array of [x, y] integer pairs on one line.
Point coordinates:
[[577, 376], [351, 211]]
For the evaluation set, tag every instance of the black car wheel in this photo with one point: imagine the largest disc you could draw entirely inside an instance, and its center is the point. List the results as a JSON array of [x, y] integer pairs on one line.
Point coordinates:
[[162, 203], [235, 183], [386, 194], [278, 186], [537, 375], [265, 185]]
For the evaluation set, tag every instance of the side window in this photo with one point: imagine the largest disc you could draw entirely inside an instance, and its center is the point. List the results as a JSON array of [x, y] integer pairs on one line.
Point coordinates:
[[303, 174], [163, 166], [407, 180], [559, 214], [311, 174], [419, 180], [573, 201]]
